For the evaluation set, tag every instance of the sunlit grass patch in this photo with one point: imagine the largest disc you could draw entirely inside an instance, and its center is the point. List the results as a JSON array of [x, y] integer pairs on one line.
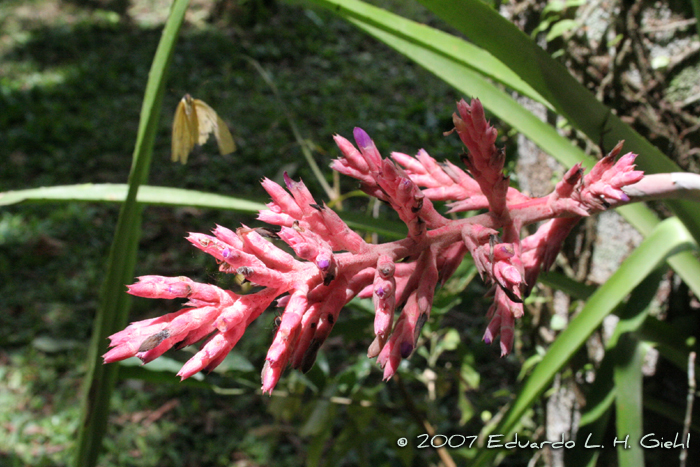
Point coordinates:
[[39, 396]]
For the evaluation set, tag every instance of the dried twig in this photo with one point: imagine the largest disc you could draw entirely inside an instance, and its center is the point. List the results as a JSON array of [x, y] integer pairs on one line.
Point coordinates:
[[689, 406]]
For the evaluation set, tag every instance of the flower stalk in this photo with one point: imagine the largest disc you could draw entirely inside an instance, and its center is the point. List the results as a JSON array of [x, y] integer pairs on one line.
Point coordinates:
[[332, 264]]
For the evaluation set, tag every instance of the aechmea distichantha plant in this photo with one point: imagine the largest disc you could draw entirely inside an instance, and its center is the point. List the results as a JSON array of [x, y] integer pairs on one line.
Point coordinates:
[[332, 263]]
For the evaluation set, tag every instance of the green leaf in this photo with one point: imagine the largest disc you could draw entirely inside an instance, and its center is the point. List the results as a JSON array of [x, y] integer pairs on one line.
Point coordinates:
[[671, 342], [465, 406], [663, 242], [627, 352], [321, 418], [234, 361], [161, 370], [554, 82], [475, 84], [51, 345], [107, 192], [166, 196], [435, 41], [591, 434], [164, 364], [565, 284], [316, 449], [531, 361], [661, 61], [561, 27], [672, 412], [696, 11], [144, 373], [544, 24], [443, 57], [386, 227], [688, 267], [557, 323], [114, 304], [449, 342], [557, 6], [469, 376], [628, 401]]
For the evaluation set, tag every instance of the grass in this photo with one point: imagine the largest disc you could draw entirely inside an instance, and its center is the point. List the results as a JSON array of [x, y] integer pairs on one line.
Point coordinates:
[[71, 83]]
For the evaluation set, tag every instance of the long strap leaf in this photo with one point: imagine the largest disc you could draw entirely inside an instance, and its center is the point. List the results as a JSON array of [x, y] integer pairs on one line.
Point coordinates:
[[628, 400], [117, 192], [628, 350], [489, 30], [438, 42], [602, 394], [467, 70], [114, 304], [663, 242], [166, 196]]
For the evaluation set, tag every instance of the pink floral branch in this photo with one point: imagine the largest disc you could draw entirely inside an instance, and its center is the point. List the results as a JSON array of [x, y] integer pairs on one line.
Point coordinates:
[[332, 263]]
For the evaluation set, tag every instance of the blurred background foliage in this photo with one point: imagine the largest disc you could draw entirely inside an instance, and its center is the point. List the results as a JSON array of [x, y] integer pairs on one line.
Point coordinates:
[[72, 75]]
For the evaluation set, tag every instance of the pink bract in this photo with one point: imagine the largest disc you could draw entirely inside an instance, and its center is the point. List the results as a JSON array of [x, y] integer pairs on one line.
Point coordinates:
[[332, 263]]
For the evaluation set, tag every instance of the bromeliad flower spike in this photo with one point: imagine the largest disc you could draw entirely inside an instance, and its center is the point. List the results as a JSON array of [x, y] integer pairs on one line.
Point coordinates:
[[333, 264]]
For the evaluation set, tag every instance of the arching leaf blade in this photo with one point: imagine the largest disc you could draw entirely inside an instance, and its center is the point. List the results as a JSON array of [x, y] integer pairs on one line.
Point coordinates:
[[663, 242]]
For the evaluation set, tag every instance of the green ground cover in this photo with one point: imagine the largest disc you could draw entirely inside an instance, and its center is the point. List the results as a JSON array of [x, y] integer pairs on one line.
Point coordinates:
[[71, 84]]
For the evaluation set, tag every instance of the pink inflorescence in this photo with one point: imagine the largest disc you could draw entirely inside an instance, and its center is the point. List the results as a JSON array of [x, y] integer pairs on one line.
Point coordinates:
[[332, 263]]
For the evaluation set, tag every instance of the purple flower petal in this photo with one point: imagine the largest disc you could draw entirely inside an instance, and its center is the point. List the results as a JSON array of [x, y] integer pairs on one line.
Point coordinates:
[[406, 349], [288, 181], [362, 138]]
